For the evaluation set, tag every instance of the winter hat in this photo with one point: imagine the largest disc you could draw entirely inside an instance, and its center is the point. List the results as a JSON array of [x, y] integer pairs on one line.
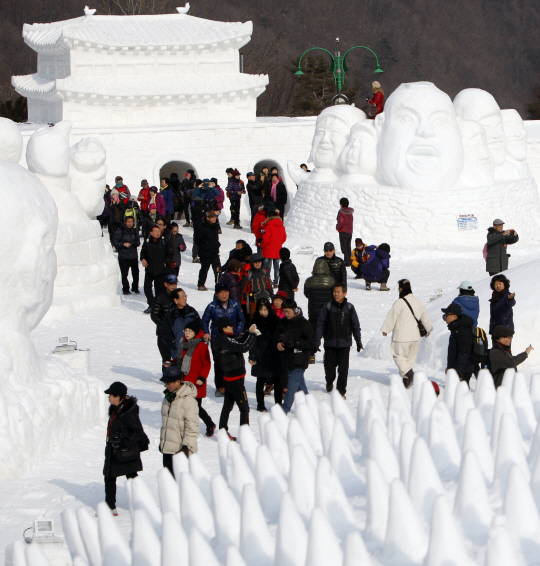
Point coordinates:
[[171, 374], [190, 171], [284, 254], [466, 286], [235, 172], [153, 206], [114, 192], [172, 279], [206, 180], [119, 178], [118, 389], [221, 287], [255, 258], [328, 247], [234, 264], [453, 308], [358, 241], [281, 295], [250, 174], [376, 84], [502, 332], [497, 222], [194, 325], [223, 322]]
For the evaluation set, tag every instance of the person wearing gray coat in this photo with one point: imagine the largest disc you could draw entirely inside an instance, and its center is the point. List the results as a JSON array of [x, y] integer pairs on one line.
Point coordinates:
[[497, 242]]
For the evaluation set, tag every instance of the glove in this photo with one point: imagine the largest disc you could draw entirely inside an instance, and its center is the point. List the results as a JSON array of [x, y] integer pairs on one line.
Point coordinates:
[[359, 347]]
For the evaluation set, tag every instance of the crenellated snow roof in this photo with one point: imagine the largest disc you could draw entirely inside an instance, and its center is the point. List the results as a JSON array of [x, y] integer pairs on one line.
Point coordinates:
[[142, 32]]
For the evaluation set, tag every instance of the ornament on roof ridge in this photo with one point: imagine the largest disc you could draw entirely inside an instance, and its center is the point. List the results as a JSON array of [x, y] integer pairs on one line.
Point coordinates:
[[89, 11], [183, 10]]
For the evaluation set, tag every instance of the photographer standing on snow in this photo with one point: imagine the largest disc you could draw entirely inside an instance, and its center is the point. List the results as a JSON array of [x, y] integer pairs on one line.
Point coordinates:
[[497, 241]]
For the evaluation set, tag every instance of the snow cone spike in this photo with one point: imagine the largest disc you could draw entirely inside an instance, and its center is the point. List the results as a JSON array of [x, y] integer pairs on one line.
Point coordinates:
[[226, 512], [406, 541], [535, 483], [355, 551], [313, 405], [145, 544], [484, 398], [510, 452], [89, 534], [115, 550], [524, 406], [383, 453], [424, 481], [180, 464], [408, 436], [200, 552], [363, 398], [174, 542], [508, 378], [399, 412], [281, 420], [446, 543], [503, 404], [377, 397], [310, 428], [535, 394], [330, 497], [534, 452], [378, 495], [223, 448], [450, 387], [238, 471], [73, 534], [501, 549], [398, 389], [143, 499], [323, 545], [270, 484], [326, 420], [194, 510], [234, 558], [256, 544], [201, 475], [263, 419], [278, 447], [77, 561], [471, 505], [428, 398], [35, 556], [299, 398], [291, 535], [301, 483], [463, 403], [169, 494], [341, 411], [248, 444], [296, 436], [475, 438], [419, 379], [443, 443], [16, 555], [342, 461], [373, 413]]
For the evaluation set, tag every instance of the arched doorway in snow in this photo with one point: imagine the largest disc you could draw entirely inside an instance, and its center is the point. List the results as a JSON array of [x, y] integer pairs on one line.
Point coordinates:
[[179, 167], [281, 172]]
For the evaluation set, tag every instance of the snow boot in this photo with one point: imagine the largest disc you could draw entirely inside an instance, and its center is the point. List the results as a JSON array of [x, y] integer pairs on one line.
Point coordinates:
[[268, 390], [384, 287], [408, 379], [195, 260], [329, 387], [202, 288], [148, 310], [368, 286], [233, 438], [210, 430], [262, 410], [237, 227], [230, 223]]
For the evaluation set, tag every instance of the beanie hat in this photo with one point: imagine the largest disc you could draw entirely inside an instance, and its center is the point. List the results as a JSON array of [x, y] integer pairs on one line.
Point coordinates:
[[376, 84], [223, 322], [284, 254], [281, 295], [358, 241], [255, 258], [502, 332], [221, 287], [194, 325], [235, 172]]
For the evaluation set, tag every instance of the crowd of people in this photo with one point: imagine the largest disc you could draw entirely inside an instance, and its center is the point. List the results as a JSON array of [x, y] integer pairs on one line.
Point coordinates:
[[254, 311]]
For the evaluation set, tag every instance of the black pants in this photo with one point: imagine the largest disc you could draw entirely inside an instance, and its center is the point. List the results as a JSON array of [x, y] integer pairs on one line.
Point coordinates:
[[345, 244], [218, 371], [235, 211], [110, 490], [103, 221], [167, 462], [235, 392], [125, 265], [337, 358], [187, 206], [113, 227], [165, 351], [157, 281], [206, 262], [384, 277], [259, 390], [357, 271], [313, 321], [203, 415]]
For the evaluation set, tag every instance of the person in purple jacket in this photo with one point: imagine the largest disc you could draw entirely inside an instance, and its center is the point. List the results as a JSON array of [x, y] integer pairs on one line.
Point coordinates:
[[167, 194], [376, 269], [502, 303], [344, 226], [235, 190]]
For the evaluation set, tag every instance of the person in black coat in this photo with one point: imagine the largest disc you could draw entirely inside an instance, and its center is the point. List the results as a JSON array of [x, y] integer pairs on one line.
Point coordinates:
[[288, 276], [125, 441], [501, 304], [318, 290], [500, 356], [160, 307], [187, 186], [461, 343], [276, 191], [156, 259], [335, 264], [207, 241], [126, 240], [337, 324], [266, 366], [497, 241], [255, 193]]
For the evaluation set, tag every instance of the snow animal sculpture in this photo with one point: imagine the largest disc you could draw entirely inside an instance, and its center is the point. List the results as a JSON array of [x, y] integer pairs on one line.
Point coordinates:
[[331, 133], [359, 157], [11, 141], [420, 145], [516, 142], [479, 169]]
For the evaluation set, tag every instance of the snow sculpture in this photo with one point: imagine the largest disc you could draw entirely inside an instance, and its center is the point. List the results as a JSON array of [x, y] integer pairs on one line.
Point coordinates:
[[11, 141], [307, 514], [417, 170]]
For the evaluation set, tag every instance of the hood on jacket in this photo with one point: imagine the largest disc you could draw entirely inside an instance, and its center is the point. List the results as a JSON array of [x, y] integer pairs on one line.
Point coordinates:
[[347, 210], [320, 267], [273, 219], [125, 407], [187, 389], [199, 334]]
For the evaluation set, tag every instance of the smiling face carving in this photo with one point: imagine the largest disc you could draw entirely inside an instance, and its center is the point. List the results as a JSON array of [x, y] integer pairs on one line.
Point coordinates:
[[420, 141]]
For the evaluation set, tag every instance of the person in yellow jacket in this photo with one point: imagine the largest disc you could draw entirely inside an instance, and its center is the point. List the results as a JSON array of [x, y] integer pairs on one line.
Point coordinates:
[[358, 257]]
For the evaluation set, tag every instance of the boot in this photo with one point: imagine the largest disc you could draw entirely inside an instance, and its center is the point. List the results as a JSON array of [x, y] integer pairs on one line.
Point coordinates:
[[384, 287], [230, 223], [368, 286], [408, 379], [237, 227]]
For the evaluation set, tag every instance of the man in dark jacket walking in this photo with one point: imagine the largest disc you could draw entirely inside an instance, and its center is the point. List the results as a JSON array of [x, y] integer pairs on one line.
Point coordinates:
[[497, 241], [126, 240], [207, 240], [318, 290], [461, 343], [335, 264], [337, 324], [344, 226], [500, 356], [187, 186], [156, 259], [288, 276], [296, 341], [160, 307], [255, 193], [235, 190]]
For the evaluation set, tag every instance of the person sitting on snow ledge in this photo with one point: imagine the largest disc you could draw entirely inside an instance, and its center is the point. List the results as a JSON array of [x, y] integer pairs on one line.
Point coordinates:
[[500, 356]]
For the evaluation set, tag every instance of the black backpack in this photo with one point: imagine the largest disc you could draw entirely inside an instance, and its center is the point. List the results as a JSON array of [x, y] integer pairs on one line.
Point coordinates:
[[480, 353]]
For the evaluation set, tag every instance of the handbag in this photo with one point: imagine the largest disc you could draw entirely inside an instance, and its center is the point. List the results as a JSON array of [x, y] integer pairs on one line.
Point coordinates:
[[129, 454], [421, 327]]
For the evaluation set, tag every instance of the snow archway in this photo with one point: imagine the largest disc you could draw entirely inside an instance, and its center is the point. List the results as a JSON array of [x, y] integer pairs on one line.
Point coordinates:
[[179, 167], [291, 189], [173, 163]]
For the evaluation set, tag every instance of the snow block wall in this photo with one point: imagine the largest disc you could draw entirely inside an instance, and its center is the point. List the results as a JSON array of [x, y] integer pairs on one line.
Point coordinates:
[[449, 481]]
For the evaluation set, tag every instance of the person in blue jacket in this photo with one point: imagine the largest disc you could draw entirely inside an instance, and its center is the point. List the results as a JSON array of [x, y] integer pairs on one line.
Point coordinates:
[[468, 301], [376, 269], [167, 194], [502, 303], [221, 306]]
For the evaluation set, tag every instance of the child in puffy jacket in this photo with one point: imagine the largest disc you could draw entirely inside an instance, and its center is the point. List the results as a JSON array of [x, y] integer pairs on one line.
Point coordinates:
[[358, 257]]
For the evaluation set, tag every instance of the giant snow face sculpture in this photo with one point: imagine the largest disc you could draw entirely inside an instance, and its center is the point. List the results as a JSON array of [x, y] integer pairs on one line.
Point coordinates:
[[359, 157], [516, 135], [420, 142], [479, 169], [11, 141], [331, 133]]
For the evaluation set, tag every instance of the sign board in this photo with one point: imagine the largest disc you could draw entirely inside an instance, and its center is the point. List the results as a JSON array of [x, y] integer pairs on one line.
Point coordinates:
[[467, 222]]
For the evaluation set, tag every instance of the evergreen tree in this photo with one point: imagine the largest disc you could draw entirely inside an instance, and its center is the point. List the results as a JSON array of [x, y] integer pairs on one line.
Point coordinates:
[[15, 110], [533, 108]]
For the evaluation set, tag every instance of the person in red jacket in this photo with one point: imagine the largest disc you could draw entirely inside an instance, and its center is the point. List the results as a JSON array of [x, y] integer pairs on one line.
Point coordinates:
[[256, 226], [344, 226], [196, 366], [377, 100], [143, 195], [273, 238]]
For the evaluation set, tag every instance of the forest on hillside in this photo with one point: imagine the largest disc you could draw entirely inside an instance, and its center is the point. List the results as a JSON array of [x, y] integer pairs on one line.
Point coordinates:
[[488, 44]]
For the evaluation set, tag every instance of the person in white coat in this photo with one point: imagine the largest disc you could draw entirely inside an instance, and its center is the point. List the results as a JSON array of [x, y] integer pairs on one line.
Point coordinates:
[[402, 321]]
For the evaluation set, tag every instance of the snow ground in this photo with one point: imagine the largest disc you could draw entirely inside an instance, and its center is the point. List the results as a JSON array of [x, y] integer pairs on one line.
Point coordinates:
[[123, 347]]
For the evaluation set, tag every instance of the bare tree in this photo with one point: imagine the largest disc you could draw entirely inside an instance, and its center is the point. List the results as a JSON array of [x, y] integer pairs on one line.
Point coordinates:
[[134, 7]]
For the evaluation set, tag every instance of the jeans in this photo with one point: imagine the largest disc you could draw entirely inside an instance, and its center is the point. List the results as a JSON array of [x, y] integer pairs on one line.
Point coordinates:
[[337, 358], [268, 262], [296, 383], [206, 262], [125, 265], [235, 392], [345, 244], [110, 490]]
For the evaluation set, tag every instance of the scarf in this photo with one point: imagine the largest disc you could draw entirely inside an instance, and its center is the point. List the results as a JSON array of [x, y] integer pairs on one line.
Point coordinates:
[[496, 296], [273, 192], [170, 395], [189, 347], [505, 348]]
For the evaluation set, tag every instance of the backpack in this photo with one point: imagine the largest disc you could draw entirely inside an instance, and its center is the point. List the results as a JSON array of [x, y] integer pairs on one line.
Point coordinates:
[[485, 252], [259, 288], [132, 212], [177, 200], [480, 353]]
